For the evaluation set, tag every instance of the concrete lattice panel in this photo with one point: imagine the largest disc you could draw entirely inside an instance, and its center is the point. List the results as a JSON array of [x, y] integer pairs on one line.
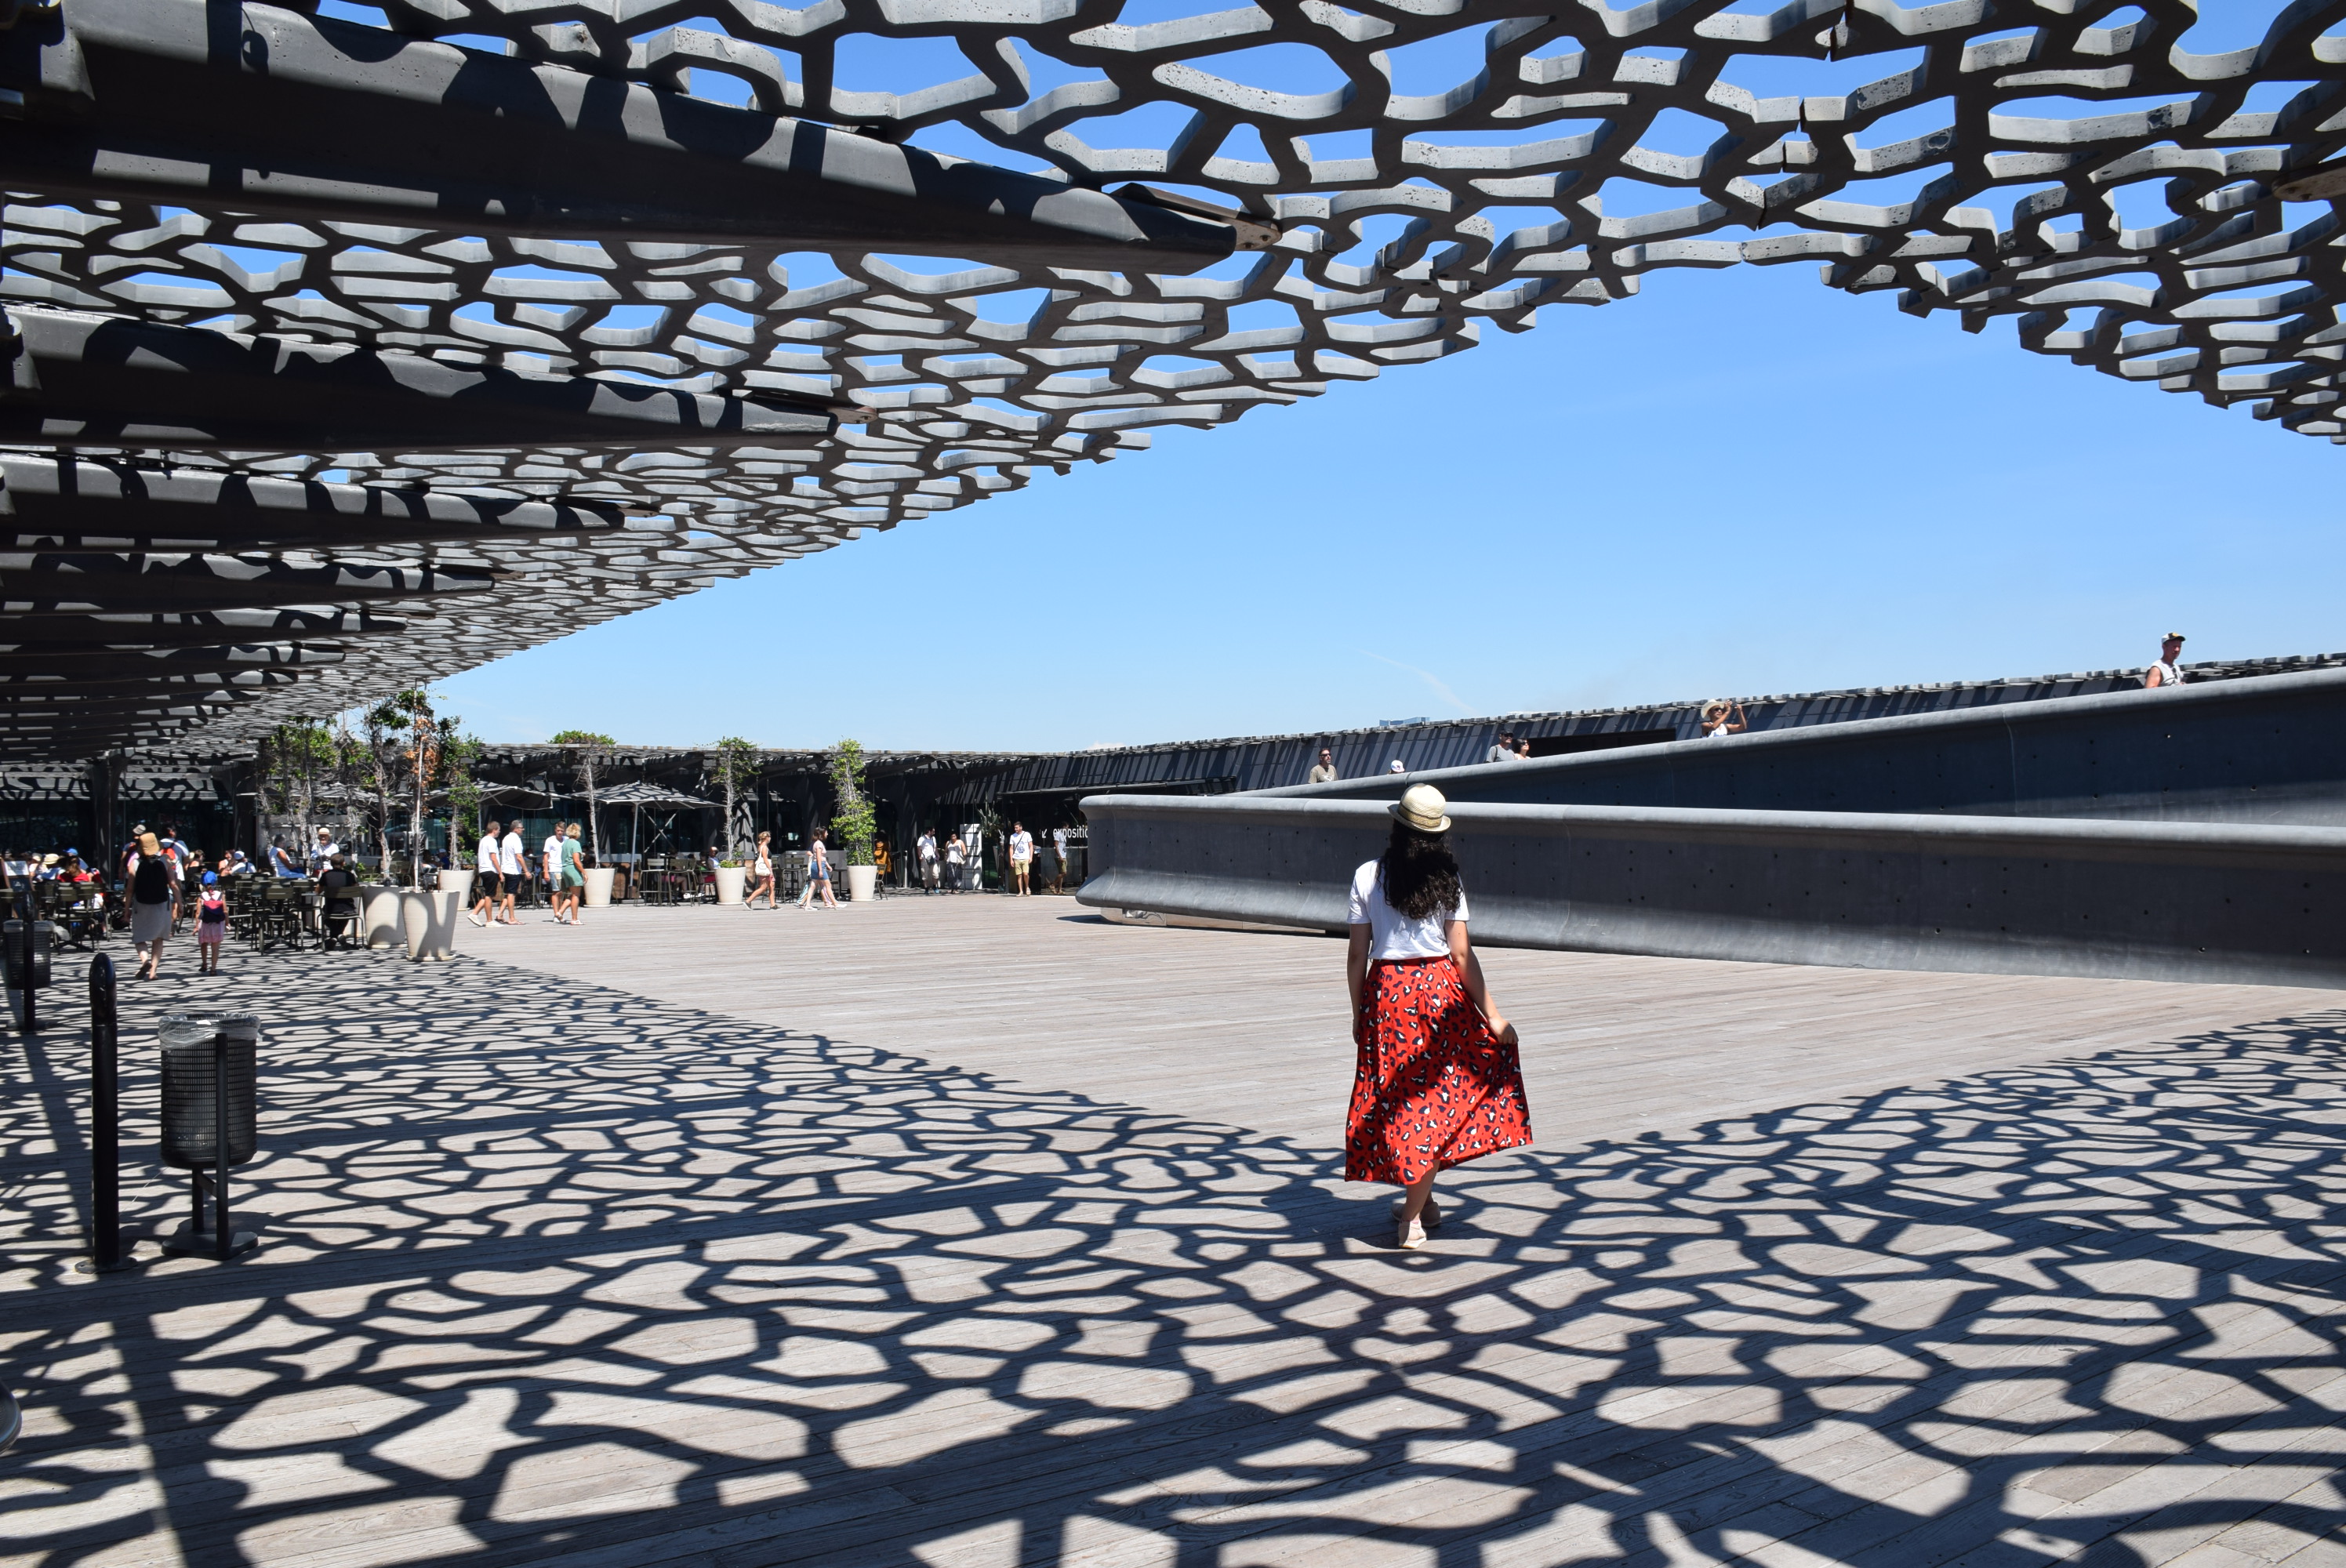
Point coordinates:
[[2066, 165]]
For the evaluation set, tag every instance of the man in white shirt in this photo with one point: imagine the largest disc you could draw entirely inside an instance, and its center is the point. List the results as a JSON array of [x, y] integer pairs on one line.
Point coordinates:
[[511, 869], [926, 851], [1058, 860], [551, 859], [1022, 856], [484, 873], [1324, 770], [322, 853], [2167, 675]]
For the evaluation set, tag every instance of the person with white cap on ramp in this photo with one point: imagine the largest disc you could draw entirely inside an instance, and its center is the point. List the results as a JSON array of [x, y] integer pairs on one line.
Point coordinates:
[[1439, 1080]]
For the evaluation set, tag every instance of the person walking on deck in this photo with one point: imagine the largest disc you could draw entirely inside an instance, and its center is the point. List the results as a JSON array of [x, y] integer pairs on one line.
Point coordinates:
[[818, 875], [570, 862], [1021, 858], [512, 870], [148, 872], [761, 868], [486, 879], [1439, 1081]]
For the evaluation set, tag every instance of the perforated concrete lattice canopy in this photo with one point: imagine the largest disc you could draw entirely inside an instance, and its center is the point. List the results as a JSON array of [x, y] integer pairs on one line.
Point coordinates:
[[355, 348]]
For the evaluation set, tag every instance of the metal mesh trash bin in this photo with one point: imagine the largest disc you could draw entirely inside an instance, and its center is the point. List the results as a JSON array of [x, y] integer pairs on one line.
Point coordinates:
[[210, 1094]]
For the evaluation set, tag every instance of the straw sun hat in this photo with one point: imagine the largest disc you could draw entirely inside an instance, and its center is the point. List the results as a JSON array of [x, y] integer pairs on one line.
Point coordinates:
[[1423, 807]]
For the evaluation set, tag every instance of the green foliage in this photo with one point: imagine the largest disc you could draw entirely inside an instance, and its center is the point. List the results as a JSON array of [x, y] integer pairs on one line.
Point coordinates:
[[459, 755], [854, 823], [737, 762], [583, 738], [737, 768], [296, 758]]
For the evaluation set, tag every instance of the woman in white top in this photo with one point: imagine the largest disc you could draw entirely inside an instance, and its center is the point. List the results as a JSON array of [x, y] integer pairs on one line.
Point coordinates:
[[818, 875], [1439, 1081], [761, 869], [1722, 717]]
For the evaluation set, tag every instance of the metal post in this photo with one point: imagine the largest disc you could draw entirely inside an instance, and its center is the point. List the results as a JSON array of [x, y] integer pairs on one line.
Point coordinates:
[[223, 1238], [105, 1124], [25, 953]]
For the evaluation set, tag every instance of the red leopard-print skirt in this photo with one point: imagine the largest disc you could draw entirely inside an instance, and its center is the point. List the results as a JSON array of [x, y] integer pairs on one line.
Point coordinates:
[[1435, 1088]]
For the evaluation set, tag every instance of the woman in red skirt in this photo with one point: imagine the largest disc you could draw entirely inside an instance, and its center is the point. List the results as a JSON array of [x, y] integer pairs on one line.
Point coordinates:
[[1439, 1081]]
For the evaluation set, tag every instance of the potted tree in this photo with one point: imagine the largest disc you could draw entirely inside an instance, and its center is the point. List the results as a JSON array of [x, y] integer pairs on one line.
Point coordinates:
[[589, 748], [853, 824], [736, 765], [430, 913]]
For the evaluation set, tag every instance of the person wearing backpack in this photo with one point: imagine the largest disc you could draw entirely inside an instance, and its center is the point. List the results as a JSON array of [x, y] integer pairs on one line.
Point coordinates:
[[211, 923], [151, 911]]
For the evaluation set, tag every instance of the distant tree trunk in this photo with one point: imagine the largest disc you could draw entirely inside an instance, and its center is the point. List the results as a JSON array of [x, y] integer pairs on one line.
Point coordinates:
[[415, 813], [731, 837], [594, 819], [309, 791]]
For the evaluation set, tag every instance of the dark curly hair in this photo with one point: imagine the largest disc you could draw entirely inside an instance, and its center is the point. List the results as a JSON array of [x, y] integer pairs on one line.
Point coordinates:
[[1418, 872]]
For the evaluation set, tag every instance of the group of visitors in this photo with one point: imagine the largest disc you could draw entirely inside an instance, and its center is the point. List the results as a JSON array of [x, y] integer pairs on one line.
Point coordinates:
[[765, 870], [954, 865], [502, 873]]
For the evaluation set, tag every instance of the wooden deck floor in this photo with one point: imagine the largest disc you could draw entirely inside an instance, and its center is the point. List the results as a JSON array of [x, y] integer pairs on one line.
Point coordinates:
[[959, 1232]]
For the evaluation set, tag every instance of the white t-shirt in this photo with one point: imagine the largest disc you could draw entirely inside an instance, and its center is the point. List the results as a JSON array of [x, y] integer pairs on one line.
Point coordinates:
[[509, 855], [553, 857], [1392, 934], [486, 862], [928, 846], [1021, 846], [2170, 677]]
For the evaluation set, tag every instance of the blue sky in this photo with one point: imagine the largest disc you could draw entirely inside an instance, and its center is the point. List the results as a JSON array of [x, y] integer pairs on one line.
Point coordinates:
[[1736, 483]]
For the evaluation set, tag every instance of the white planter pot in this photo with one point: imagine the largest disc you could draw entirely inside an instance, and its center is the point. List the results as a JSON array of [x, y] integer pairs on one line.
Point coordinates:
[[458, 883], [598, 886], [430, 922], [379, 915], [731, 880], [859, 883]]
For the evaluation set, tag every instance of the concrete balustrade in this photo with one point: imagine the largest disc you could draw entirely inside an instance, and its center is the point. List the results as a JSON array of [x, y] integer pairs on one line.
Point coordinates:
[[2142, 900], [2269, 750]]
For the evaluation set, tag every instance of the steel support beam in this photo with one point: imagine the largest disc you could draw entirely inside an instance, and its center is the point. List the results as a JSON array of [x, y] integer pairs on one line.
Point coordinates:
[[92, 664], [70, 629], [269, 110], [50, 580], [79, 379], [199, 683]]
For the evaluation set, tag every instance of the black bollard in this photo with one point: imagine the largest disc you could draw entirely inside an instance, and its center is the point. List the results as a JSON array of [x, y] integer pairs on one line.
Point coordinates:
[[106, 1256], [20, 959], [208, 1057]]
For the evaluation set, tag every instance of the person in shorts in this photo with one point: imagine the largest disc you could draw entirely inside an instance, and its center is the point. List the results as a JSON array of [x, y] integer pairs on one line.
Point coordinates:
[[511, 869], [487, 873], [212, 924], [570, 865]]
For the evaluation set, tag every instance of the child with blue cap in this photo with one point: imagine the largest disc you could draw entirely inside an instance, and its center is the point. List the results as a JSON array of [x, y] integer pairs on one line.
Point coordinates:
[[211, 923]]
